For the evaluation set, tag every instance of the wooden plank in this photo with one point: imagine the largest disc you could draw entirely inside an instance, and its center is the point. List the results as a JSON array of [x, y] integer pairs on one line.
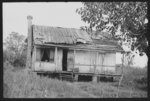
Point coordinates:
[[76, 77], [77, 73], [91, 74], [90, 59], [103, 63], [60, 76], [68, 47], [69, 76], [95, 61], [74, 53], [56, 62], [94, 65], [78, 48], [94, 78]]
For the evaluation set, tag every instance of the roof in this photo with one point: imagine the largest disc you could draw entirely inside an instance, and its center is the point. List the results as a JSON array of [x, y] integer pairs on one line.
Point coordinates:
[[58, 35], [45, 35]]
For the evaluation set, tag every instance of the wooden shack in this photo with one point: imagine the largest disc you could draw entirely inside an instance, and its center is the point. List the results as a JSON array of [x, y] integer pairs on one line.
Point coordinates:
[[57, 49]]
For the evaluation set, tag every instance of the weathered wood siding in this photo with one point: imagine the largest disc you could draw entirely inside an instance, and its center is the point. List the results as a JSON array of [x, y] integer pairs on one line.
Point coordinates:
[[70, 59], [43, 66], [84, 60], [110, 60], [48, 66], [91, 58], [99, 68], [59, 59]]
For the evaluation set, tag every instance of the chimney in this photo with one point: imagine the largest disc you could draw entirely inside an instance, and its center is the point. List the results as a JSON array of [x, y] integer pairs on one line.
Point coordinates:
[[29, 18], [29, 41]]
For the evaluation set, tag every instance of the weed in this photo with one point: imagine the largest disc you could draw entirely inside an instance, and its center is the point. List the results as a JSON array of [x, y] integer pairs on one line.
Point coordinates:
[[19, 84]]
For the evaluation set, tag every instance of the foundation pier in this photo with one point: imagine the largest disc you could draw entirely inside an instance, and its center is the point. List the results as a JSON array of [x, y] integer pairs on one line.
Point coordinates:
[[94, 78]]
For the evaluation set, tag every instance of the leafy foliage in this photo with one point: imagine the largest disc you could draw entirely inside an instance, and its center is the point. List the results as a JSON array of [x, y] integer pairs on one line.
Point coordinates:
[[15, 51], [129, 16]]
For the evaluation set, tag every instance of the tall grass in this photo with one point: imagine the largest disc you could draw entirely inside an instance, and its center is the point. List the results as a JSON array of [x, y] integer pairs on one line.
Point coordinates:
[[18, 83], [135, 77]]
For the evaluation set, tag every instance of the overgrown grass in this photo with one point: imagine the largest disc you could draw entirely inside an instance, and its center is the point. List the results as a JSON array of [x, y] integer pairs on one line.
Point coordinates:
[[135, 77], [19, 84]]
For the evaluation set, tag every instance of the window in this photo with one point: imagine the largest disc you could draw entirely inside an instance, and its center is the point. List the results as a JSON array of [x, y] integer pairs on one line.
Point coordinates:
[[45, 54]]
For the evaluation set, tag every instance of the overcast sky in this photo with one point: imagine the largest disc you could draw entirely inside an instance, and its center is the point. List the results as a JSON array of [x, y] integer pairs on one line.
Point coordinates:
[[59, 14]]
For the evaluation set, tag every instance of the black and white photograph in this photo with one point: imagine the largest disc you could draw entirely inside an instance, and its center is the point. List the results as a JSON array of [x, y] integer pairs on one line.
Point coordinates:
[[75, 49]]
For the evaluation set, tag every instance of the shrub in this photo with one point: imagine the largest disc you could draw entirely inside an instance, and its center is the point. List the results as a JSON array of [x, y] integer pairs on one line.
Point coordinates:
[[17, 61], [141, 82], [20, 61], [135, 77]]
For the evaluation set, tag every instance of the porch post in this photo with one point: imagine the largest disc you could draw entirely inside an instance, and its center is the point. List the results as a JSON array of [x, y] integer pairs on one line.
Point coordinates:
[[74, 53], [56, 59], [103, 63], [96, 61], [76, 76], [94, 75]]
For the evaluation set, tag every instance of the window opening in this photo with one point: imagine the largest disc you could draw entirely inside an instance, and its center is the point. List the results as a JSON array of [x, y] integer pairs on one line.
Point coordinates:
[[45, 54]]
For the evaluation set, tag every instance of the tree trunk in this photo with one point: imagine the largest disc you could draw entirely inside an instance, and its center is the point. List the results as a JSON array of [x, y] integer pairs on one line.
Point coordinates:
[[147, 49]]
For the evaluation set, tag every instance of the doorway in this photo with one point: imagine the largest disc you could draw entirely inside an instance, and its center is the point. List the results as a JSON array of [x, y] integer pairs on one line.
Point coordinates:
[[64, 59]]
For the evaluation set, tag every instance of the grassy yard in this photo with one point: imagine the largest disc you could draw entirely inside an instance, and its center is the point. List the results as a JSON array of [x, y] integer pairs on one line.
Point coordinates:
[[19, 84]]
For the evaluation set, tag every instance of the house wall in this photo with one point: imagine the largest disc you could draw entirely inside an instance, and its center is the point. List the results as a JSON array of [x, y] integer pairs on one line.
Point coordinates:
[[41, 65], [109, 61], [44, 66], [83, 59], [87, 58], [99, 68], [48, 66]]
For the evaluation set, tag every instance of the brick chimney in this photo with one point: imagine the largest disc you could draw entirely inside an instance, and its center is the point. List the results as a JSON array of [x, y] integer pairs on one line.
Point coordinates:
[[29, 41]]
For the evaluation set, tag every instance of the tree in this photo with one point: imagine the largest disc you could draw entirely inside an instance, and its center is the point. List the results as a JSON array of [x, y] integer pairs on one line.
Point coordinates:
[[15, 43], [14, 49], [129, 16]]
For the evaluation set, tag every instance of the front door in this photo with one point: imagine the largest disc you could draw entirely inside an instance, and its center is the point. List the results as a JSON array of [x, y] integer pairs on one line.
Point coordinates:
[[64, 60]]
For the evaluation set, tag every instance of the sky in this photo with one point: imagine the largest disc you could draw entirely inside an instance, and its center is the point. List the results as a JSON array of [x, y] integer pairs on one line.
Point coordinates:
[[59, 14]]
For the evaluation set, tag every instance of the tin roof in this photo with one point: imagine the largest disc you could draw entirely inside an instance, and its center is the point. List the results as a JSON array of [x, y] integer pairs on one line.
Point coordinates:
[[44, 35], [58, 35]]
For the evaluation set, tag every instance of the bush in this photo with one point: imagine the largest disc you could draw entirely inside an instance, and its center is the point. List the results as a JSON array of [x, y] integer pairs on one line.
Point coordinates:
[[17, 61], [20, 61], [141, 83], [135, 77], [8, 56]]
